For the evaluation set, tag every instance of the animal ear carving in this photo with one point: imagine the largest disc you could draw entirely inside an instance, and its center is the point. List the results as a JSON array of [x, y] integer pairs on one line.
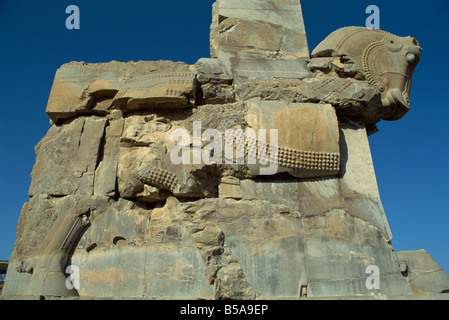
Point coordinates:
[[386, 60]]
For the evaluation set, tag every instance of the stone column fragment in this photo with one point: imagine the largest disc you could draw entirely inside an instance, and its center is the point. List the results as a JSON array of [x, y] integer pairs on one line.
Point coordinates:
[[260, 39]]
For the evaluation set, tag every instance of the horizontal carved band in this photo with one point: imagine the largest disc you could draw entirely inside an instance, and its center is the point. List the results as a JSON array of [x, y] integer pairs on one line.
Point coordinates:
[[288, 158], [176, 77]]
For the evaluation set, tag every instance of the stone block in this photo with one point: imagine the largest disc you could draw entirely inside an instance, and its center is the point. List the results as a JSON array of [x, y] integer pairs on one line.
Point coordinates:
[[66, 158], [229, 188], [423, 272], [109, 196], [260, 40], [86, 89], [308, 135]]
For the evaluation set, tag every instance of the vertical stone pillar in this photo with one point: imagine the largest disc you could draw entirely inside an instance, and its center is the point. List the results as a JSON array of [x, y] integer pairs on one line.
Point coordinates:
[[260, 39]]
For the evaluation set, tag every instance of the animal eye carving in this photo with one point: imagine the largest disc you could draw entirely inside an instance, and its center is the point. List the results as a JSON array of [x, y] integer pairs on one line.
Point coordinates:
[[392, 44], [411, 58]]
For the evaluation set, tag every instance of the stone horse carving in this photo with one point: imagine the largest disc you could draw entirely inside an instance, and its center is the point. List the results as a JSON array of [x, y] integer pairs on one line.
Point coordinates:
[[385, 64], [387, 61]]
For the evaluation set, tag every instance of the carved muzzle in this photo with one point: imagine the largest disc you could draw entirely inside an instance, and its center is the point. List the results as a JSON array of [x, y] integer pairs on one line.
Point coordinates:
[[389, 64], [387, 61]]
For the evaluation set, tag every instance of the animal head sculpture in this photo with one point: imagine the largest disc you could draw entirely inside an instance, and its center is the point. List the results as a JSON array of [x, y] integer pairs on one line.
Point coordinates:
[[386, 60]]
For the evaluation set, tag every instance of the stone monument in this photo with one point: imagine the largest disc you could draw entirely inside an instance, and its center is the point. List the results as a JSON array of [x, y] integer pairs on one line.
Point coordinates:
[[247, 175]]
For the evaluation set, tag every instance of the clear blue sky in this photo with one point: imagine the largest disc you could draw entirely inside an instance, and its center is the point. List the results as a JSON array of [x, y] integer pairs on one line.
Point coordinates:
[[410, 155]]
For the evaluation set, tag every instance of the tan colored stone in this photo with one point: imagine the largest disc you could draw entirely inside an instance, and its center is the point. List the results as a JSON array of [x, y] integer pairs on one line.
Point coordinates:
[[106, 171], [386, 60], [226, 229], [349, 97], [423, 273], [229, 188], [81, 88], [67, 157], [308, 137], [214, 31], [260, 40]]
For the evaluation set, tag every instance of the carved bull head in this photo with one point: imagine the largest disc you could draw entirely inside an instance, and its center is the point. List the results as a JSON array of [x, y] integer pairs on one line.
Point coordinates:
[[387, 62]]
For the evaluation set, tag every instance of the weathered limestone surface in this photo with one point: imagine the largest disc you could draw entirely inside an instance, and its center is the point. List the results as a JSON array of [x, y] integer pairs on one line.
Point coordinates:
[[385, 60], [423, 273], [66, 159], [108, 197], [260, 39], [85, 89]]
